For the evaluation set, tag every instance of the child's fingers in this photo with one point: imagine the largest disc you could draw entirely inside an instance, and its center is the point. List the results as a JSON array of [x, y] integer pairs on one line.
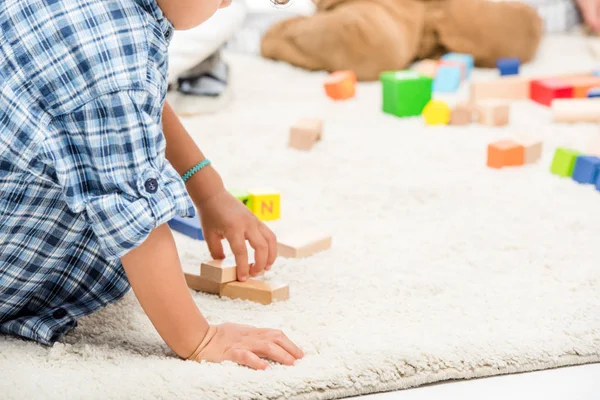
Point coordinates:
[[272, 351], [213, 240], [261, 251], [238, 247], [271, 242], [282, 340], [248, 358]]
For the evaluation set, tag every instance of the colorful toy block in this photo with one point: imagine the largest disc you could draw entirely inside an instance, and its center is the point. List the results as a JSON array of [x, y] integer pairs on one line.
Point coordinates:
[[447, 78], [563, 162], [586, 169], [505, 88], [241, 195], [265, 204], [533, 150], [190, 227], [459, 64], [581, 85], [303, 243], [493, 113], [341, 85], [405, 93], [508, 66], [305, 133], [256, 290], [505, 153], [593, 92], [425, 68], [462, 114], [436, 113], [221, 271], [466, 59], [543, 91], [576, 110]]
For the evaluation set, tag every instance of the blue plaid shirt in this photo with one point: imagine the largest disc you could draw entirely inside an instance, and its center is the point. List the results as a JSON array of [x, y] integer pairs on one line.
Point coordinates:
[[83, 174]]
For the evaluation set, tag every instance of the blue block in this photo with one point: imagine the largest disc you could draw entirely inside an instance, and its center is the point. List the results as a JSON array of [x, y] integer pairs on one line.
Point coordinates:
[[586, 169], [466, 59], [597, 73], [598, 183], [447, 79], [508, 66], [594, 92], [188, 226]]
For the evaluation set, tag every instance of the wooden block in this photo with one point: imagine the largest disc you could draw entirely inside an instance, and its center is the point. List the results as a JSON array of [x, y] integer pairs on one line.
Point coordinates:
[[201, 284], [508, 88], [505, 153], [426, 67], [241, 195], [256, 290], [582, 84], [493, 113], [508, 66], [455, 63], [341, 85], [190, 227], [302, 243], [533, 150], [221, 271], [265, 204], [576, 110], [586, 169], [462, 114], [405, 93], [305, 133], [436, 113], [544, 91], [563, 162], [448, 78], [466, 59]]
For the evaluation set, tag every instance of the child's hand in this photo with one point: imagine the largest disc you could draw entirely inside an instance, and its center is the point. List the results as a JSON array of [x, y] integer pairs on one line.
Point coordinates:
[[591, 13], [247, 345], [225, 217]]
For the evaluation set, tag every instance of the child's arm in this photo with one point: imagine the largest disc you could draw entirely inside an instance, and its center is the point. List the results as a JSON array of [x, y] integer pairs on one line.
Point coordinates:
[[155, 274], [222, 215]]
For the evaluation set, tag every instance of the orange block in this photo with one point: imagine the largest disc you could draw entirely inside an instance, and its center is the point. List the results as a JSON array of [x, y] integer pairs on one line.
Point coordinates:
[[581, 85], [341, 85], [505, 153]]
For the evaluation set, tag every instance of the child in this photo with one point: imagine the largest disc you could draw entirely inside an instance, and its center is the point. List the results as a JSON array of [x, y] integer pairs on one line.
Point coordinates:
[[89, 176]]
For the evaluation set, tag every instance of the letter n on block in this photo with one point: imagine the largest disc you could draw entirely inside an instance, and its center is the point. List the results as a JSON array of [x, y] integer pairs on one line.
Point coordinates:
[[265, 204]]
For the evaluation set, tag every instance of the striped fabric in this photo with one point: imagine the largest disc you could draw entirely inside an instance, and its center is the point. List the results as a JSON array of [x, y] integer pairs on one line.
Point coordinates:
[[83, 174]]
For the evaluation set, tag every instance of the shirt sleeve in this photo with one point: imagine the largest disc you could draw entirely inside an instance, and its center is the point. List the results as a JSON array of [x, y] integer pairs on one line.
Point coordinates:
[[110, 160]]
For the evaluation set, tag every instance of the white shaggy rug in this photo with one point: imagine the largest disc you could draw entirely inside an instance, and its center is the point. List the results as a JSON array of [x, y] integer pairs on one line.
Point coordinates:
[[441, 268]]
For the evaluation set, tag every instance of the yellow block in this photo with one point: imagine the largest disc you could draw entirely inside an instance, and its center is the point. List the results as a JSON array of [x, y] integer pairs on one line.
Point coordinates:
[[265, 204], [436, 113]]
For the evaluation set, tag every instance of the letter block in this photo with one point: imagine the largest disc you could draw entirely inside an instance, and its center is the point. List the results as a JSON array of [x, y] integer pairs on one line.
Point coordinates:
[[265, 204]]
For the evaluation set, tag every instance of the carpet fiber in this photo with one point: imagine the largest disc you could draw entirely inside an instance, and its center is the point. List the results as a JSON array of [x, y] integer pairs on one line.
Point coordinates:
[[441, 268]]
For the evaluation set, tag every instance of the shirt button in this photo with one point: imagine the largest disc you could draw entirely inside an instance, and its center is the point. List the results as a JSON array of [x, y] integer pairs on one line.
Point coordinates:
[[59, 314], [151, 185], [168, 34]]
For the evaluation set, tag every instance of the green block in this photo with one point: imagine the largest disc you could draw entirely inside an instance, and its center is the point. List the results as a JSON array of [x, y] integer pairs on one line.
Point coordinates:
[[241, 195], [563, 162], [405, 93]]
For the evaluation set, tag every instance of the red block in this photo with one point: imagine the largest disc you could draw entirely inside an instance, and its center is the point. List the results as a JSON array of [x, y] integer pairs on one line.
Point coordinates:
[[543, 91]]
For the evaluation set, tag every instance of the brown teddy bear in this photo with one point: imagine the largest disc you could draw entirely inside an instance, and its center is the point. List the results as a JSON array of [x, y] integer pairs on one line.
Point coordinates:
[[371, 36]]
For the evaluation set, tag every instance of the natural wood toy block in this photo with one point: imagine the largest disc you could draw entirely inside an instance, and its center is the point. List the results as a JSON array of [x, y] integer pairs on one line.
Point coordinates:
[[586, 169], [436, 113], [505, 88], [265, 204], [305, 133], [563, 162], [241, 195], [221, 271], [508, 66], [201, 284], [582, 84], [426, 67], [533, 150], [256, 290], [505, 153], [466, 59], [493, 113], [405, 93], [341, 85], [462, 114], [302, 243], [543, 91], [576, 110]]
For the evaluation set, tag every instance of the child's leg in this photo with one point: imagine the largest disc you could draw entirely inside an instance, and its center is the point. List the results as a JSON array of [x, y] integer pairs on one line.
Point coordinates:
[[366, 37]]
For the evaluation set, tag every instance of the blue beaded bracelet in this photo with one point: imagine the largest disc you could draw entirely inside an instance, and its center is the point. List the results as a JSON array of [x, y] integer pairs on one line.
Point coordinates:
[[197, 168]]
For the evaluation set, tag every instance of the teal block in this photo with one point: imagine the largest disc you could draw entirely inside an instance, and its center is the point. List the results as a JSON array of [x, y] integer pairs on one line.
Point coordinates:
[[563, 162], [405, 93], [466, 59], [447, 79]]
